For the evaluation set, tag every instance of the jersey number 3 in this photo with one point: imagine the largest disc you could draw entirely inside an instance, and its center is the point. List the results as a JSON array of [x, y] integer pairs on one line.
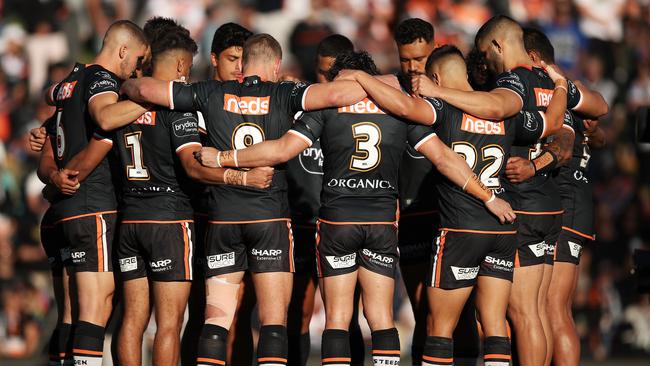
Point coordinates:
[[367, 156], [137, 170]]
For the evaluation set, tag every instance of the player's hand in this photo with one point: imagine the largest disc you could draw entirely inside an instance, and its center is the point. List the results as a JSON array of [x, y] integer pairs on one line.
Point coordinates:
[[519, 169], [65, 181], [207, 156], [37, 138], [259, 177], [423, 86], [590, 126], [347, 75], [554, 72], [502, 210]]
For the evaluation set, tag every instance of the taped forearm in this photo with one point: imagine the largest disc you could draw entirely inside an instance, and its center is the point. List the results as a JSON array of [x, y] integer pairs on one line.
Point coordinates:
[[545, 163]]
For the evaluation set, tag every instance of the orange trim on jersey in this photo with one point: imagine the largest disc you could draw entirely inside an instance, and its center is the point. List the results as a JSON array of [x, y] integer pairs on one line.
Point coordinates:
[[337, 359], [358, 223], [318, 267], [246, 222], [385, 352], [212, 360], [276, 359], [479, 231], [85, 215], [586, 236], [154, 222], [186, 251], [100, 251], [439, 261], [437, 359], [290, 232], [517, 263], [87, 352], [540, 212], [493, 355]]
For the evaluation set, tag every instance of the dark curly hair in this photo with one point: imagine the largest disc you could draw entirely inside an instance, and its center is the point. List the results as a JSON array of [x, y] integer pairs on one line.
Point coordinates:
[[352, 61], [229, 35], [165, 34], [536, 41], [410, 30], [480, 77]]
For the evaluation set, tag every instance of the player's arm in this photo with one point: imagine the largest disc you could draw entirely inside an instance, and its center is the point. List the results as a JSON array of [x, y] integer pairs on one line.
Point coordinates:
[[454, 167], [148, 90], [50, 93], [90, 157], [48, 172], [589, 102], [267, 153], [554, 115], [109, 113], [497, 104], [333, 94], [595, 134], [392, 99]]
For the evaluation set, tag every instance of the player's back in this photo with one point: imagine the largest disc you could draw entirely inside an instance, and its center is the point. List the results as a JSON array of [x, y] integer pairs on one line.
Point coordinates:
[[74, 128], [363, 147], [154, 184]]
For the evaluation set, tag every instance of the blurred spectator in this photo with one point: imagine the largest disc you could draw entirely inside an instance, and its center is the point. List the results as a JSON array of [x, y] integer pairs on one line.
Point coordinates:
[[639, 94], [594, 72], [566, 37]]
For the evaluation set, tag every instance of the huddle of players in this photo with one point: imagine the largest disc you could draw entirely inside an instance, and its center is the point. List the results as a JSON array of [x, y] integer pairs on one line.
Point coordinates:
[[250, 124]]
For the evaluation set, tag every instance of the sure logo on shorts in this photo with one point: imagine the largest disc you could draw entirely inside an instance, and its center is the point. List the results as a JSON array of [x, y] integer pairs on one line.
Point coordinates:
[[252, 106], [575, 249], [365, 106], [538, 249], [477, 125], [543, 97], [128, 264], [464, 273], [345, 261], [65, 90], [148, 119], [221, 260]]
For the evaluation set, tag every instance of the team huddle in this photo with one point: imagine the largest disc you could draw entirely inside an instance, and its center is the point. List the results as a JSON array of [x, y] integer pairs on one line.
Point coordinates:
[[466, 174]]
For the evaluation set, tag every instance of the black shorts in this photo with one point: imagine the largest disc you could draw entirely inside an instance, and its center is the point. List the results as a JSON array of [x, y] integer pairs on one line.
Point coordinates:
[[304, 237], [256, 246], [58, 254], [416, 235], [536, 237], [200, 231], [90, 241], [569, 246], [161, 251], [341, 248], [460, 257]]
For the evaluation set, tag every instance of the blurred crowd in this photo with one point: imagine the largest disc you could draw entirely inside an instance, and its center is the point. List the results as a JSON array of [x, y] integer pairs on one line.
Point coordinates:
[[604, 43]]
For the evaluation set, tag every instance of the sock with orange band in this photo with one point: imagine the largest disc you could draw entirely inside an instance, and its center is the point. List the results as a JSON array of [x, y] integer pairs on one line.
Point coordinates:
[[88, 344], [497, 351], [385, 347], [272, 348], [212, 346], [60, 348], [438, 351], [335, 347]]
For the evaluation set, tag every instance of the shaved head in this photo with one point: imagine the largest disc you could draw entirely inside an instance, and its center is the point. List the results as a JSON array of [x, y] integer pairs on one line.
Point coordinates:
[[446, 64], [499, 27], [501, 41], [124, 48], [123, 31], [261, 48]]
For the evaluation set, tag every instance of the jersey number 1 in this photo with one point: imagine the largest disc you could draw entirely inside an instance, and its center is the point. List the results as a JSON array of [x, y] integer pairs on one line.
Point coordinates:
[[137, 170]]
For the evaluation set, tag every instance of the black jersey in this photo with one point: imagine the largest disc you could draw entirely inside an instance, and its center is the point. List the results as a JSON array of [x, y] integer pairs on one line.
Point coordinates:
[[363, 147], [305, 176], [486, 146], [238, 115], [417, 177], [535, 88], [73, 129], [154, 183]]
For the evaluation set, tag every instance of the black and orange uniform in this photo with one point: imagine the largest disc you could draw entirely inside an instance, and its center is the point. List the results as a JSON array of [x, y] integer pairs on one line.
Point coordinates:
[[156, 238], [249, 228], [537, 200], [88, 217], [305, 178], [576, 193], [357, 218], [472, 241]]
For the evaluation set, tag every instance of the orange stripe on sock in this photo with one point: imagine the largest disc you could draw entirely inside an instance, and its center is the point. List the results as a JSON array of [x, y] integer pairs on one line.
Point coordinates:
[[337, 359], [493, 355], [212, 360], [269, 359], [385, 352], [88, 352], [438, 359]]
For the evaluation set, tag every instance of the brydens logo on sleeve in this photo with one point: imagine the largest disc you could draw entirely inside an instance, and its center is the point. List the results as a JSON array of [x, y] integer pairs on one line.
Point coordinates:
[[128, 264], [345, 261], [252, 106], [464, 273], [221, 260]]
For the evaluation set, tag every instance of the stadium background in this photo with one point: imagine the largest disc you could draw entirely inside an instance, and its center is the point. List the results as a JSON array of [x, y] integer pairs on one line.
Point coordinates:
[[604, 43]]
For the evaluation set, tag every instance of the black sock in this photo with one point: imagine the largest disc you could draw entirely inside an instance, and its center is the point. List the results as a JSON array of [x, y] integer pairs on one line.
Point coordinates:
[[272, 347], [299, 347], [357, 345], [60, 348], [335, 347], [88, 344], [385, 347], [416, 354], [497, 351], [438, 351], [212, 346]]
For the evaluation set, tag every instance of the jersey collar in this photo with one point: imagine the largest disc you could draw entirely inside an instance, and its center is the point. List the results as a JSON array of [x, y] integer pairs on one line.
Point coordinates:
[[252, 80]]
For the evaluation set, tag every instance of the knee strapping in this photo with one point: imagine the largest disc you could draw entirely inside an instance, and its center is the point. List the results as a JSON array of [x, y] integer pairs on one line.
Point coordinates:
[[221, 302]]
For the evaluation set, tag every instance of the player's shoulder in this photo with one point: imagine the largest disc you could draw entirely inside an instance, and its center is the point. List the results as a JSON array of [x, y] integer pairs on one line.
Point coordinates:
[[99, 78]]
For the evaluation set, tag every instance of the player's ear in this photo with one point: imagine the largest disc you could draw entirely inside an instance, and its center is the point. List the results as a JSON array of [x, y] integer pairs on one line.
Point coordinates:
[[214, 59], [534, 56], [497, 46], [123, 51]]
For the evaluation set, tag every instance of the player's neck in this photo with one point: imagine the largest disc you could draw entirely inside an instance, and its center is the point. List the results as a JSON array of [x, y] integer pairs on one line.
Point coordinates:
[[106, 61], [262, 71], [518, 59], [164, 73], [458, 84]]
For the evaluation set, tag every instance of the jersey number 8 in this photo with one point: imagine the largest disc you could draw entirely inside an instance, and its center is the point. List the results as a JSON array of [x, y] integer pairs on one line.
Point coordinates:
[[492, 154], [367, 136]]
